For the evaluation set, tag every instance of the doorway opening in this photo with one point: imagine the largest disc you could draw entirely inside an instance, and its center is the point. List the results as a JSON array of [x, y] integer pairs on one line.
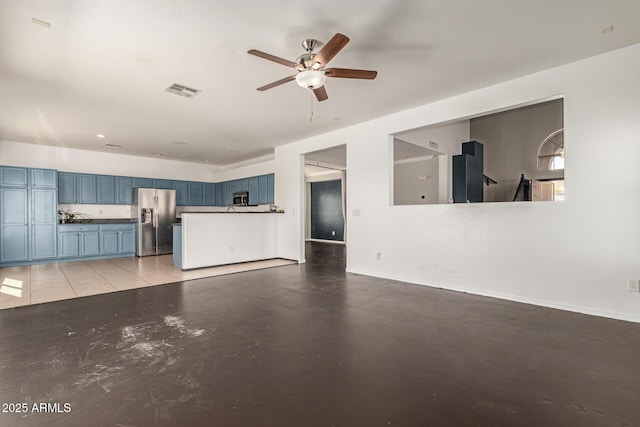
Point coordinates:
[[325, 174]]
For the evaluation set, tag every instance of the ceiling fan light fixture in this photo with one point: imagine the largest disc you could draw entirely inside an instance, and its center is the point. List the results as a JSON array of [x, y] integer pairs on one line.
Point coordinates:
[[310, 79]]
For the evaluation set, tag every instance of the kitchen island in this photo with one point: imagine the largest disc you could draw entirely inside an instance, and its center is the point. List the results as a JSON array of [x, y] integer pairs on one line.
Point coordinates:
[[218, 238]]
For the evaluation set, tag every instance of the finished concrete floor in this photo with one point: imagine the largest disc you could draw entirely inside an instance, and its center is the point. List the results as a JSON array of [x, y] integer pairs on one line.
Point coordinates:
[[311, 345]]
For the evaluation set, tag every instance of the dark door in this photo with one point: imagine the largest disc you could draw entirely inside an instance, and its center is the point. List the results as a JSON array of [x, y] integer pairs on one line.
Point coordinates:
[[327, 221]]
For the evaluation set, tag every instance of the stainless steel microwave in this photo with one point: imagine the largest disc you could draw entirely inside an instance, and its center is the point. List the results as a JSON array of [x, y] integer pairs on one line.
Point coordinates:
[[241, 198]]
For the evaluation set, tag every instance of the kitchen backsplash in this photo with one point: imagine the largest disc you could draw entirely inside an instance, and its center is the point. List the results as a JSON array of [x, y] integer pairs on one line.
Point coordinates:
[[99, 211]]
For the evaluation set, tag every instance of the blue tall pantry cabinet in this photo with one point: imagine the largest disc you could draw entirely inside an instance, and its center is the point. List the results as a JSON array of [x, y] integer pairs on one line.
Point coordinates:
[[28, 214]]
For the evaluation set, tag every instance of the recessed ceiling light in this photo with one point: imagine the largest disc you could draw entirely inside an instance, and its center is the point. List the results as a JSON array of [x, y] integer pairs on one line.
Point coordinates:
[[158, 154], [113, 145], [234, 151], [40, 22], [180, 143], [100, 135]]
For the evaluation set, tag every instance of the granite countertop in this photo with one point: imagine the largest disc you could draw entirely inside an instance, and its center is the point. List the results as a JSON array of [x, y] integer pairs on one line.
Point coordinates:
[[102, 221]]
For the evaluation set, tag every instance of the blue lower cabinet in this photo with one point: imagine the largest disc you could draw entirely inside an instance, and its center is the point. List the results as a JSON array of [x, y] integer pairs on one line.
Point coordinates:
[[78, 240], [127, 242], [69, 245], [117, 239], [108, 242], [89, 244], [96, 240]]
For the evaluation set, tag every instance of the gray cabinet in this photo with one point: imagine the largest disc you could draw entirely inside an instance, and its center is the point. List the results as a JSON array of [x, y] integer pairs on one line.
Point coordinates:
[[271, 188]]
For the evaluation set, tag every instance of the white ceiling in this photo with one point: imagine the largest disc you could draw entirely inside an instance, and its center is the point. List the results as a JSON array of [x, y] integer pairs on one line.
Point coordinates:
[[103, 65]]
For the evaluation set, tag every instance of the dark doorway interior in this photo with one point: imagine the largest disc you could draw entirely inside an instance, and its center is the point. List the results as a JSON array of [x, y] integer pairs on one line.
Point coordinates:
[[327, 221]]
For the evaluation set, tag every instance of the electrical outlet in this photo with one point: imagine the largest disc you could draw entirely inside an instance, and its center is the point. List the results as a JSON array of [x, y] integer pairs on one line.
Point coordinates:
[[333, 233], [633, 285]]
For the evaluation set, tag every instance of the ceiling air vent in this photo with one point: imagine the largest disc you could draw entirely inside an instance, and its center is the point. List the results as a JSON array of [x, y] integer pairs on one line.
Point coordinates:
[[182, 90]]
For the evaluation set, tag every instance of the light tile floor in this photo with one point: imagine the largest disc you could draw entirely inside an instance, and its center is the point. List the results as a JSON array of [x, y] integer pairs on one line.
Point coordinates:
[[52, 282]]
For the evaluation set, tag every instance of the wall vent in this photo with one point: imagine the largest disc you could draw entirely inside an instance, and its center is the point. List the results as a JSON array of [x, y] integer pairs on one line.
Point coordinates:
[[182, 90]]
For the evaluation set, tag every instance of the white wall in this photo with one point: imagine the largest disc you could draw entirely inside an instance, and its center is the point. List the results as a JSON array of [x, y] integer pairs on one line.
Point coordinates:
[[576, 254], [72, 160], [417, 181]]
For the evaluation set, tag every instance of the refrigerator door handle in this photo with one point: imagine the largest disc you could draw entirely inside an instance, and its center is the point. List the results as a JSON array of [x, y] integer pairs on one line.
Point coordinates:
[[155, 212]]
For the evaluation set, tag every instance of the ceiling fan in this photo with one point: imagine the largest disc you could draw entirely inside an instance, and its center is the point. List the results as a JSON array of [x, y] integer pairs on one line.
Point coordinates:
[[311, 66]]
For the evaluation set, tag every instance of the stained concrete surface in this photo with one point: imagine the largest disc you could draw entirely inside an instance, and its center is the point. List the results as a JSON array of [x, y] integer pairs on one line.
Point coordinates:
[[311, 345]]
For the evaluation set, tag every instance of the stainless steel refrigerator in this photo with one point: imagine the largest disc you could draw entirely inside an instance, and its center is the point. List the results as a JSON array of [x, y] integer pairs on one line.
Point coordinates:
[[155, 210]]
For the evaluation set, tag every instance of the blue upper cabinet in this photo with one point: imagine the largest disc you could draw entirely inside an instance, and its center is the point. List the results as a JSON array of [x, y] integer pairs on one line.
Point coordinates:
[[263, 184], [182, 192], [165, 184], [210, 194], [253, 190], [14, 177], [123, 190], [66, 187], [271, 188], [106, 189], [196, 193], [44, 178], [87, 188], [244, 185], [142, 183]]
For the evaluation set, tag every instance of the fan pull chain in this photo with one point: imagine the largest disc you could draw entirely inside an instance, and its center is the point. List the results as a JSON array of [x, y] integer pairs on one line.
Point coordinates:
[[311, 106]]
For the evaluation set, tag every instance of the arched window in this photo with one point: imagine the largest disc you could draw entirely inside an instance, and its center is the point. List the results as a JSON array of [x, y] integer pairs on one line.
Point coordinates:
[[551, 152]]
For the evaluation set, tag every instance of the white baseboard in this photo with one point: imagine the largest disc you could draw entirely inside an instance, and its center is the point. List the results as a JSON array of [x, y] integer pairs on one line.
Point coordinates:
[[591, 311]]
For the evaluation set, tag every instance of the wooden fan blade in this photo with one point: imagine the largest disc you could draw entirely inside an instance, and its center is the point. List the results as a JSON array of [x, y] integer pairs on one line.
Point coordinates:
[[330, 50], [348, 73], [271, 58], [277, 83], [321, 93]]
